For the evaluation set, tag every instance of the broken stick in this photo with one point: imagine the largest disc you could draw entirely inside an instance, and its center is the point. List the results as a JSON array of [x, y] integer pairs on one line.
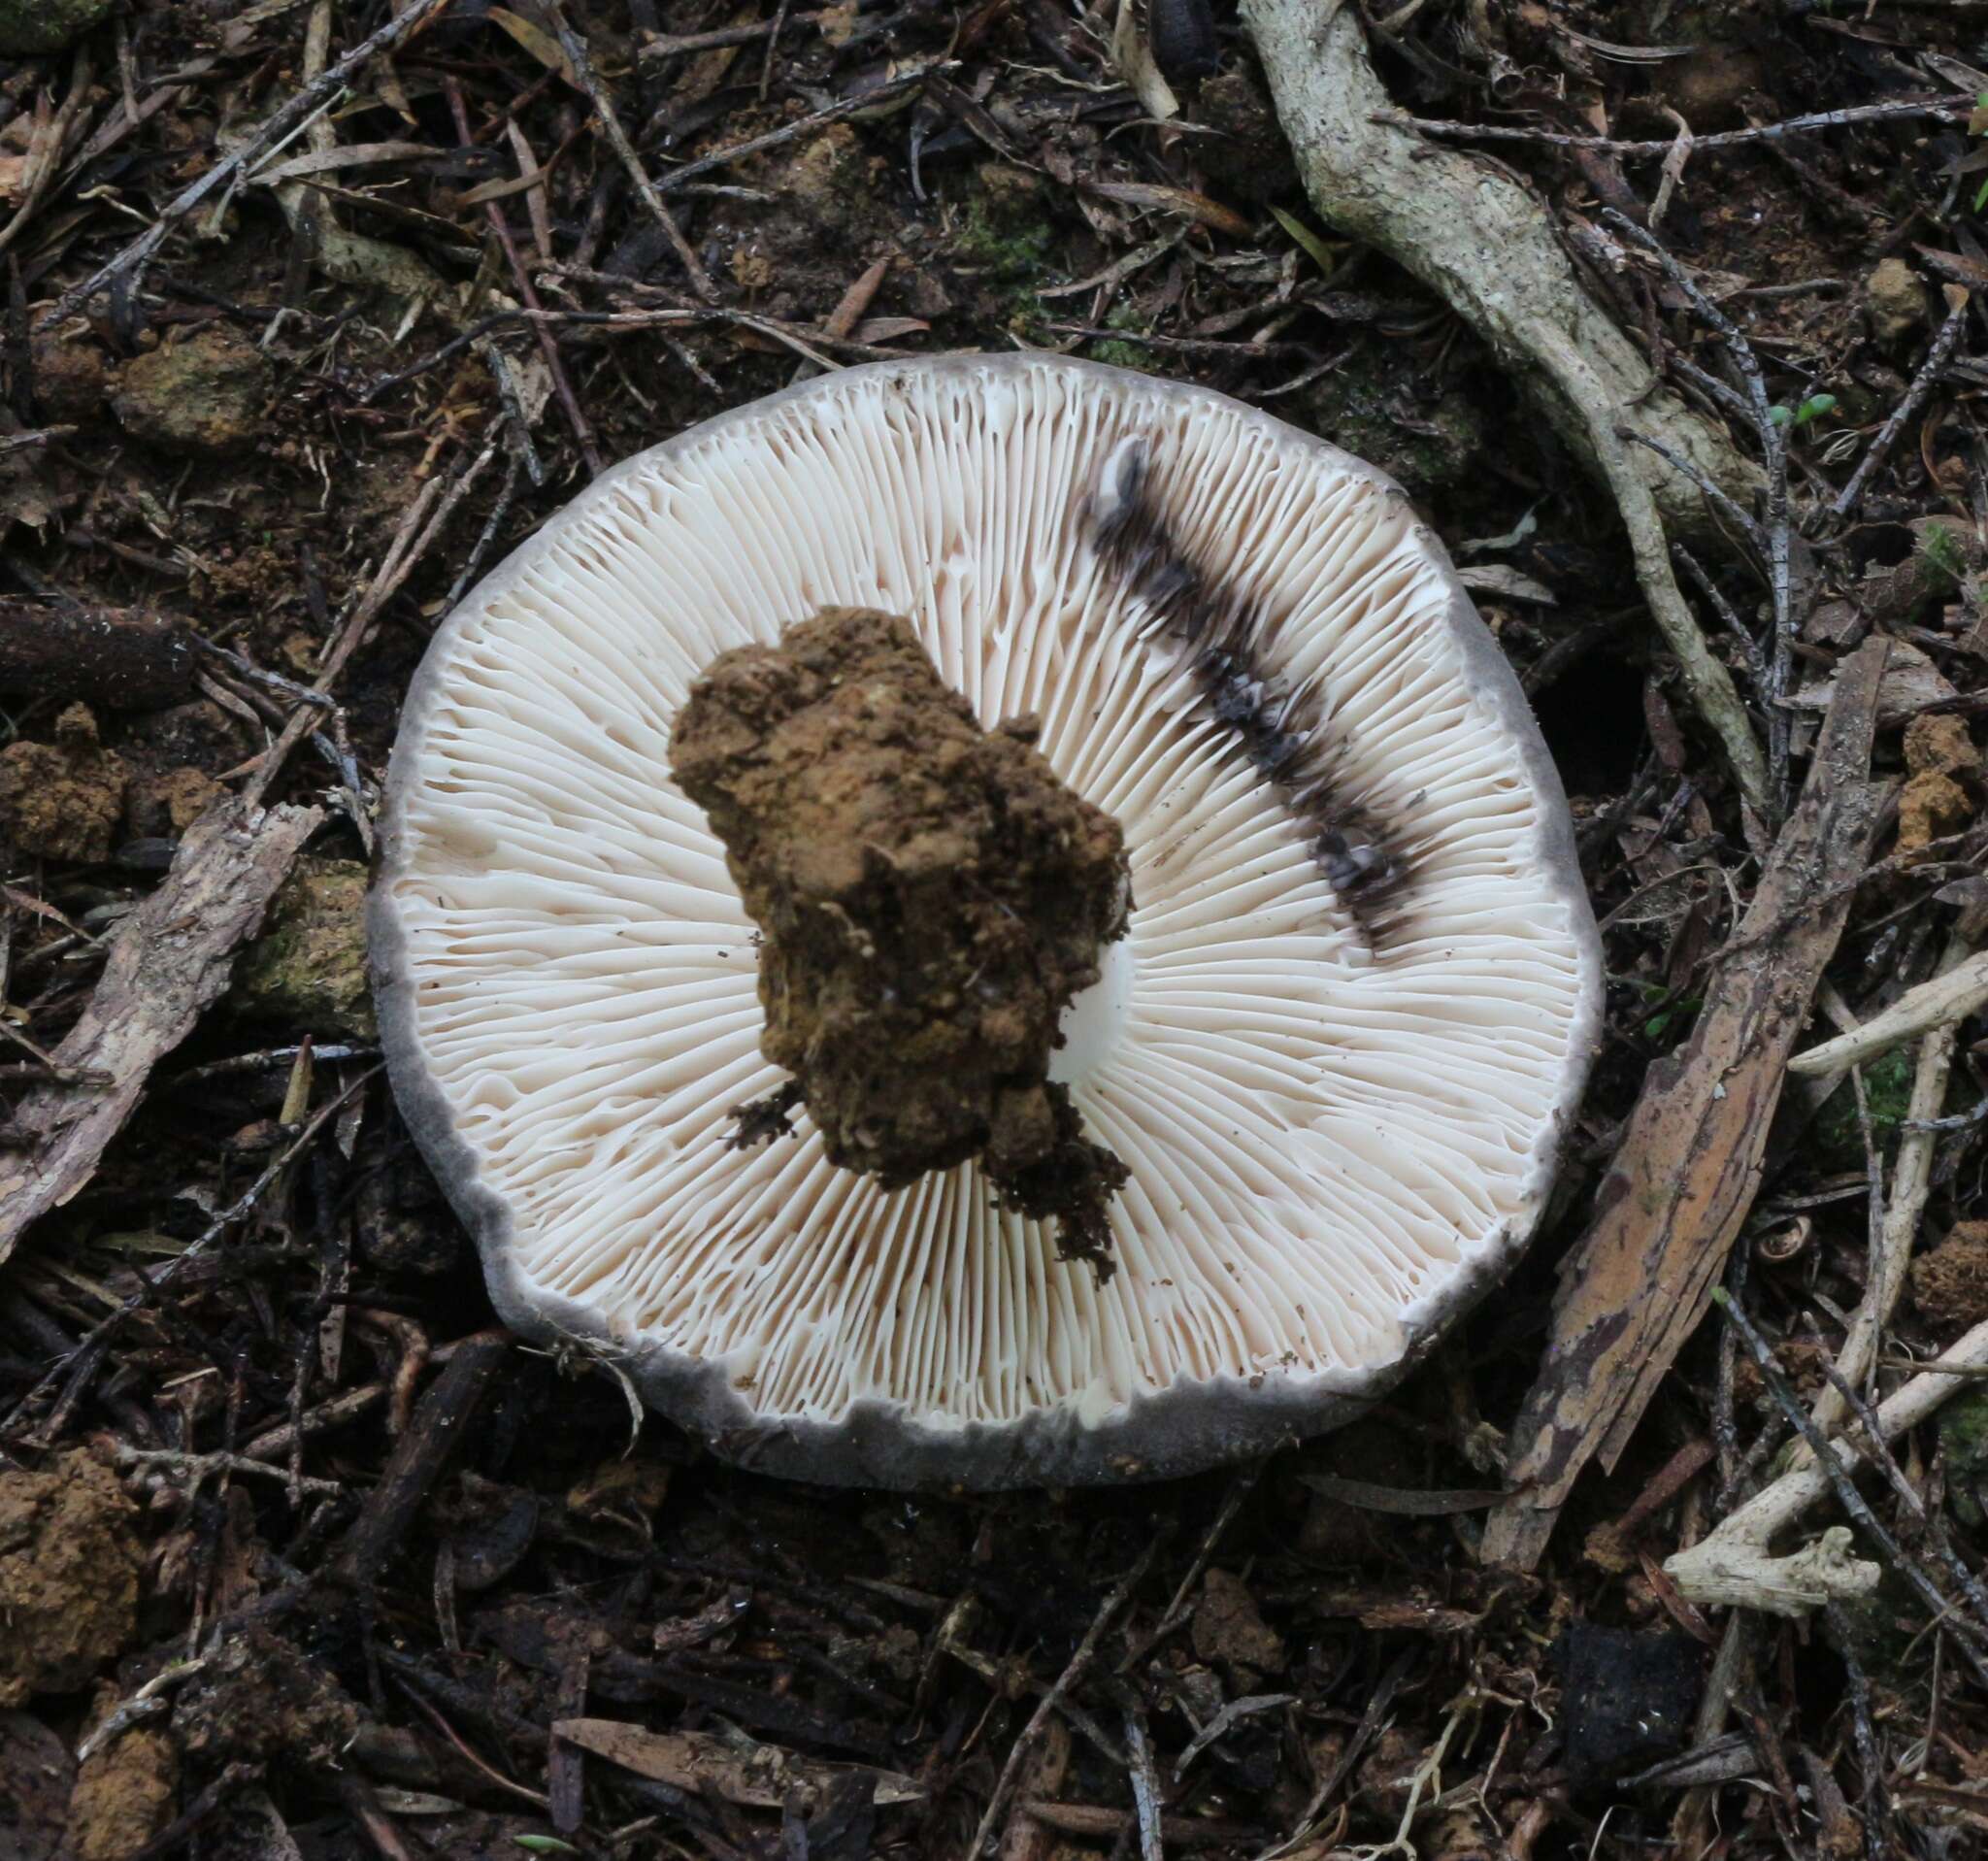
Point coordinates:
[[1735, 1565]]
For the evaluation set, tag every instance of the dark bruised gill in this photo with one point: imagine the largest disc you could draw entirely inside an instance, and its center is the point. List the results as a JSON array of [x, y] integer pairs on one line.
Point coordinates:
[[1285, 735]]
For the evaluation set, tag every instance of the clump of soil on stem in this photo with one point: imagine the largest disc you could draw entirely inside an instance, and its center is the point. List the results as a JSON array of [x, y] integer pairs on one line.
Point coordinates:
[[930, 898]]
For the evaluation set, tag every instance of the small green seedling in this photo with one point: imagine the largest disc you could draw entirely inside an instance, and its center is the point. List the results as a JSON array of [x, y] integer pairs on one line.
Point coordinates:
[[1977, 126], [1812, 409], [1322, 254]]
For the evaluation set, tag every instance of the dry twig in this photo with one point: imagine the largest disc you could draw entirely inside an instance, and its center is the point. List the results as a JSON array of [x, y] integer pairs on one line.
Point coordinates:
[[280, 123], [1902, 108]]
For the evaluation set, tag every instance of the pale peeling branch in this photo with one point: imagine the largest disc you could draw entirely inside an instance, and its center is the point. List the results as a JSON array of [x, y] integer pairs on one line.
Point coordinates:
[[1487, 245], [1941, 1000], [1735, 1565]]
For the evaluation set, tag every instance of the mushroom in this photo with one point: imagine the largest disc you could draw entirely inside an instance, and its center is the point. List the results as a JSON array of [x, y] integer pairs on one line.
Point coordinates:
[[1335, 1050]]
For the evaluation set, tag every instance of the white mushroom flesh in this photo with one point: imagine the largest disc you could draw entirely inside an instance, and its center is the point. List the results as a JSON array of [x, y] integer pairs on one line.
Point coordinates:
[[1326, 1124]]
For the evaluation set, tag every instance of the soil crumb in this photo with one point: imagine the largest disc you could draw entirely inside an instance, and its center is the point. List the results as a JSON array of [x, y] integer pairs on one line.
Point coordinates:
[[62, 800], [68, 1575], [124, 1796], [1941, 760], [1950, 1283], [930, 898], [261, 1700]]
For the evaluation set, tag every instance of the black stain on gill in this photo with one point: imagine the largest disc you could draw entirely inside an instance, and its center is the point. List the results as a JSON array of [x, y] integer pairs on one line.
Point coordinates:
[[1285, 735]]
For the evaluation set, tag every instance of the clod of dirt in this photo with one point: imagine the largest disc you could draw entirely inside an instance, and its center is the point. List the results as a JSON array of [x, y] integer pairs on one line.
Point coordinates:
[[164, 805], [258, 1700], [828, 194], [1801, 1365], [29, 28], [1710, 88], [62, 800], [1950, 1283], [308, 966], [71, 378], [1387, 1776], [69, 1563], [1896, 300], [930, 897], [124, 1796], [1626, 1699], [1247, 155], [1942, 760], [1229, 1632], [204, 394]]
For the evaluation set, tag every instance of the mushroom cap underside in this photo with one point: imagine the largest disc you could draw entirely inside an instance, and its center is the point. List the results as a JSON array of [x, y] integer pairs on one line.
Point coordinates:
[[1338, 1047]]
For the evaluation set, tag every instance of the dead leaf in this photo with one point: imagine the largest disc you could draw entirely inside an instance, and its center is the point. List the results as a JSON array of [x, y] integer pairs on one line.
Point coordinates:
[[1497, 578], [759, 1776], [1156, 198], [537, 40], [1134, 57]]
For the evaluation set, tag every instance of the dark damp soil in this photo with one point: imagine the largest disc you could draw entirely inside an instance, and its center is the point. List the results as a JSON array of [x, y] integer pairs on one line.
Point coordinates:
[[930, 899], [407, 1548]]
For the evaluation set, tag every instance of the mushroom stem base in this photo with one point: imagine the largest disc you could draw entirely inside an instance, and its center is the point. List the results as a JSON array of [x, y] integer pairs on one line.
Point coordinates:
[[931, 899]]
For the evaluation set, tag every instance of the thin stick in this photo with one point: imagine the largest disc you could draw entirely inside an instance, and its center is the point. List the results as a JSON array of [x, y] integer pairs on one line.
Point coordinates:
[[90, 1347], [1887, 1464], [1080, 1664], [277, 124], [1911, 1180], [719, 39], [789, 334], [201, 1465], [577, 55], [1723, 139], [41, 435], [1852, 1501], [1877, 1813], [1951, 994], [1852, 494], [549, 343], [773, 39], [514, 469], [1734, 1558], [1773, 536], [805, 125], [412, 540]]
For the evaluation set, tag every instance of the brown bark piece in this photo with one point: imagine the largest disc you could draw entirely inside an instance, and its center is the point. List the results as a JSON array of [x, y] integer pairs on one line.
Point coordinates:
[[1638, 1283], [168, 961]]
